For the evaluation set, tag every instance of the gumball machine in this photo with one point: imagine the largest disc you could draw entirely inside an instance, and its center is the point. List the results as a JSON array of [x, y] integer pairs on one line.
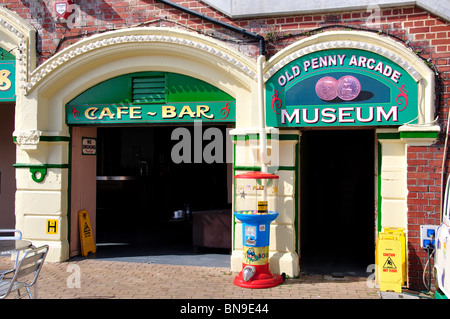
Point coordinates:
[[255, 206]]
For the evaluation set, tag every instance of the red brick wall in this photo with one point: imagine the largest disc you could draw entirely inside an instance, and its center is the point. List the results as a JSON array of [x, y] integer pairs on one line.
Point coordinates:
[[424, 197], [426, 34]]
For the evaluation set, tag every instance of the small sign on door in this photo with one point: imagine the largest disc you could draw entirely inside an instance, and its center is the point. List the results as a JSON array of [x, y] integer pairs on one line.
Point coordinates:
[[89, 146]]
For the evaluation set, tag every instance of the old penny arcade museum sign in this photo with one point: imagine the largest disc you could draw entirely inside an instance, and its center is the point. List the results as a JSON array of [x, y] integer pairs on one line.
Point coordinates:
[[342, 87]]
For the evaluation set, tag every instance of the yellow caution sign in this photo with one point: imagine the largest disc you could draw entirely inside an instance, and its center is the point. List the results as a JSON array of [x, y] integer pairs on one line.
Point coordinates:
[[401, 236], [389, 262], [86, 235]]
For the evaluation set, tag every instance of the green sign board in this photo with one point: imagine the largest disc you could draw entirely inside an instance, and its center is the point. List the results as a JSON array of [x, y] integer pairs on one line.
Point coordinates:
[[151, 113], [342, 87], [7, 77], [151, 97]]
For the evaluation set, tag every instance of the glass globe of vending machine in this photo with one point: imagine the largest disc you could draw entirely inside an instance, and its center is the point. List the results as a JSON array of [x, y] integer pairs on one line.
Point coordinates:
[[255, 205]]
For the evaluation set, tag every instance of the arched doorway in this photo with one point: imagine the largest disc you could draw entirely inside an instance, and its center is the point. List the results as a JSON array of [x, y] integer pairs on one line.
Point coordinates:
[[109, 55], [150, 144], [297, 99], [17, 52]]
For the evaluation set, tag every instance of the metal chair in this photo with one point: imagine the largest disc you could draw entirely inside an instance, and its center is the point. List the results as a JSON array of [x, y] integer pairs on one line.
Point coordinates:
[[10, 234], [26, 273]]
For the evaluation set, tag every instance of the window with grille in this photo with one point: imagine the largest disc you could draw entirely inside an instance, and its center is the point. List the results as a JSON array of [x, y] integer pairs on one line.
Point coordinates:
[[149, 89]]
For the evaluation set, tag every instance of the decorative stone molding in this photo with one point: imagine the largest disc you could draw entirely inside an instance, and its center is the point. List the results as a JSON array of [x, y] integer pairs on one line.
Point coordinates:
[[19, 34], [410, 135], [348, 44], [419, 135], [150, 35], [27, 140]]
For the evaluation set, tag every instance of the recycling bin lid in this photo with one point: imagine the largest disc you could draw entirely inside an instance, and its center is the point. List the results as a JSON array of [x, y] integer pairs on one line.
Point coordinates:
[[256, 175]]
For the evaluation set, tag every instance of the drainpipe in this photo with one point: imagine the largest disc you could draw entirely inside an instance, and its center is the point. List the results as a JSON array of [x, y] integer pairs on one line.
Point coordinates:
[[262, 49], [443, 179], [260, 65], [262, 120]]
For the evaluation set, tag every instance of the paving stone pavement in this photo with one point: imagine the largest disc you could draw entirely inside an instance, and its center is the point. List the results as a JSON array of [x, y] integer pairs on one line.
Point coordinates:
[[96, 279]]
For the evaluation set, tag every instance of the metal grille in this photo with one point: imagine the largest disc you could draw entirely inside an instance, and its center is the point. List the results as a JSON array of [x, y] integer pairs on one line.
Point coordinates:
[[149, 89]]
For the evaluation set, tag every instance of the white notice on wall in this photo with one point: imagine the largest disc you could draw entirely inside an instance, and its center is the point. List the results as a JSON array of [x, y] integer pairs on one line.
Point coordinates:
[[89, 146]]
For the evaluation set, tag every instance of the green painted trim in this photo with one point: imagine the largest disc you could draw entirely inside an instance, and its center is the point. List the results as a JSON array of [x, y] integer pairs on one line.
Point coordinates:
[[54, 139], [388, 136], [39, 166], [38, 177], [235, 168], [288, 137], [49, 139], [380, 157], [287, 168], [39, 171], [409, 134], [239, 137], [424, 134], [245, 137], [297, 197], [234, 199], [255, 136], [69, 188]]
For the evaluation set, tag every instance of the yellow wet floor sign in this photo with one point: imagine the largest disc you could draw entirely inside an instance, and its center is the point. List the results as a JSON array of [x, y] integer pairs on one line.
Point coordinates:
[[86, 235], [389, 258], [399, 232]]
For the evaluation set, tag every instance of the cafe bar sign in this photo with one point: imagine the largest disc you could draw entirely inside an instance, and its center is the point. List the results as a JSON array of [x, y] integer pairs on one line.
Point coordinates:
[[151, 113], [342, 87]]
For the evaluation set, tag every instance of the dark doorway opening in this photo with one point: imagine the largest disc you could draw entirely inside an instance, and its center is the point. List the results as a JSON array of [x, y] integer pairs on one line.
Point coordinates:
[[139, 186], [7, 171], [337, 202]]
